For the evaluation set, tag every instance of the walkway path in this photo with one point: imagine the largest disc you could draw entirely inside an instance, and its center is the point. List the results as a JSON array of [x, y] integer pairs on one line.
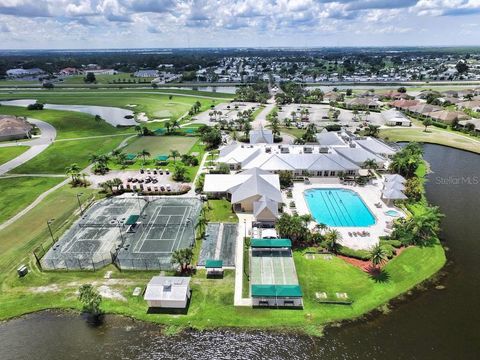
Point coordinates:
[[244, 221], [37, 145], [261, 119]]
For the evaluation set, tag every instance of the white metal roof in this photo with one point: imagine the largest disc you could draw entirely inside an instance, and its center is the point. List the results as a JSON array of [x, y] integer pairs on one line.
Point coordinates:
[[167, 288]]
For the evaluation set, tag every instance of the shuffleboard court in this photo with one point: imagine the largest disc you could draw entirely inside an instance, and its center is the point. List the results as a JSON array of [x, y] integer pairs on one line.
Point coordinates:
[[219, 243], [272, 267]]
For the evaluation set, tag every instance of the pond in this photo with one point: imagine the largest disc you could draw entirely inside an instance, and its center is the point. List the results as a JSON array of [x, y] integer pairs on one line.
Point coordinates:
[[112, 115], [439, 322]]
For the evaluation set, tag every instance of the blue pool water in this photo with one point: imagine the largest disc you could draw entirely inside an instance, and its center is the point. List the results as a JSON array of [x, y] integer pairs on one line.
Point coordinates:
[[338, 207], [392, 213]]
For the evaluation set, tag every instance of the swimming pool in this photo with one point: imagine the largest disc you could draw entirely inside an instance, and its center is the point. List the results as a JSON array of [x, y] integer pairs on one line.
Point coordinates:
[[338, 207]]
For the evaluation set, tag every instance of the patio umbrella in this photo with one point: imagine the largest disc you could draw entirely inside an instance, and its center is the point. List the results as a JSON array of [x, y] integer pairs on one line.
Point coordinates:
[[395, 178], [392, 185], [393, 194]]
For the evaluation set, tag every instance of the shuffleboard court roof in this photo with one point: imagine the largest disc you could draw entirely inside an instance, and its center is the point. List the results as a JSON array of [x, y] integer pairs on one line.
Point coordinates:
[[270, 243], [276, 291], [131, 156], [213, 264], [162, 158], [132, 219]]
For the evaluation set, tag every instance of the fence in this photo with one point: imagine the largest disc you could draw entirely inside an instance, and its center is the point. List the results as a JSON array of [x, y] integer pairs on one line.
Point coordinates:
[[75, 262], [143, 264]]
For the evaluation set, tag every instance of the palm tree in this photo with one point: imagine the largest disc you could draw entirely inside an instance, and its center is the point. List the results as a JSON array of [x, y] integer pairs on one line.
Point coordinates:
[[373, 130], [73, 170], [116, 182], [116, 152], [332, 238], [139, 129], [321, 227], [378, 256], [370, 164], [168, 125], [122, 159], [174, 154], [367, 113], [426, 225], [175, 124], [144, 154], [246, 128]]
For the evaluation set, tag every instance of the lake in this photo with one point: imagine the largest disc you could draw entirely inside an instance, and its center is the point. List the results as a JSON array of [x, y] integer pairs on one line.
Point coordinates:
[[112, 115], [433, 323]]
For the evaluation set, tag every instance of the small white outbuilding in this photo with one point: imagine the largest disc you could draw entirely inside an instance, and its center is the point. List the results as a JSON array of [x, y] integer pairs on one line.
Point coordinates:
[[168, 292]]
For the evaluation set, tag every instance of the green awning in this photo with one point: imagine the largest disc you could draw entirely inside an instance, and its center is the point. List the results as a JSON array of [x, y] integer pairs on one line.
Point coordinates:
[[130, 157], [270, 243], [276, 291], [213, 264], [132, 219], [160, 131], [189, 131], [162, 158]]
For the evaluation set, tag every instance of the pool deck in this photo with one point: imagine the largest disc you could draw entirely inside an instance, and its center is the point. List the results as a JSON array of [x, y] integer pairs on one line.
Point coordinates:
[[370, 194]]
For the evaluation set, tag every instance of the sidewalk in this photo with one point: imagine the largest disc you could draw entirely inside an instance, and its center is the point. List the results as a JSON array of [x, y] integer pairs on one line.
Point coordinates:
[[243, 220]]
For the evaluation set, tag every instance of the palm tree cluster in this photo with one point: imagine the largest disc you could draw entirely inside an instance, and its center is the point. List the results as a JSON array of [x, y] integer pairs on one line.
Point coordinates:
[[172, 125], [296, 228], [422, 228], [111, 186], [100, 163], [406, 161], [195, 109], [308, 136]]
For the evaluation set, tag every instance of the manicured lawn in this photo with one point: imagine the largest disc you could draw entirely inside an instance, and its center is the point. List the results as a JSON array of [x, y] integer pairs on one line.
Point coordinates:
[[69, 124], [292, 131], [189, 144], [434, 136], [158, 145], [155, 104], [11, 152], [61, 154], [221, 211], [17, 193]]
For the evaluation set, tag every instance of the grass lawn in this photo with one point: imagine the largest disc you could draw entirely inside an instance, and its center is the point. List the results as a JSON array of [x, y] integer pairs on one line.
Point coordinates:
[[61, 154], [69, 124], [11, 152], [221, 211], [157, 145], [292, 131], [17, 193], [155, 104], [434, 136], [162, 145]]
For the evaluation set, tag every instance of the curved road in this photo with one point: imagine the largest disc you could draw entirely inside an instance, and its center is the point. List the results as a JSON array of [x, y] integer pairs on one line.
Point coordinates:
[[37, 145]]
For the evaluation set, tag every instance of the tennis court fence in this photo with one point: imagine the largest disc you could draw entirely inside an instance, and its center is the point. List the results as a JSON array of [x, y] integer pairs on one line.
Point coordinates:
[[143, 264]]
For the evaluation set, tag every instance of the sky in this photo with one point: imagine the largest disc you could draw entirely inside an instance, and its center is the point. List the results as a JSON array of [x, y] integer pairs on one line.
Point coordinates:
[[88, 24]]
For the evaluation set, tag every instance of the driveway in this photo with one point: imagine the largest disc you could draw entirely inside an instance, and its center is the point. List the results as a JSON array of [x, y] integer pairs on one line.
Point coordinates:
[[37, 145]]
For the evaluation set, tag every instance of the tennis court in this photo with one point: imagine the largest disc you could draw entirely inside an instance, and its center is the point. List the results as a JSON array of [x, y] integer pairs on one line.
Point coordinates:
[[272, 267], [165, 225], [219, 243], [91, 241]]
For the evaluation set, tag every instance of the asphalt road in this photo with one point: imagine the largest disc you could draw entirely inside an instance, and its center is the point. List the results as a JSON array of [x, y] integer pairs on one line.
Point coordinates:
[[37, 145]]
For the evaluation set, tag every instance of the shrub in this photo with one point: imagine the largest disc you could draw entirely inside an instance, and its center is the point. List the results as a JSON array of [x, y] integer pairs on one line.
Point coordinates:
[[36, 106], [356, 254], [439, 125], [389, 250], [334, 127], [395, 243]]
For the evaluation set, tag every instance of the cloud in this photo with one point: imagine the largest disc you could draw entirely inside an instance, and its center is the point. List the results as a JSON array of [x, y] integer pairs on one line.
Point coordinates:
[[25, 8], [154, 6]]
